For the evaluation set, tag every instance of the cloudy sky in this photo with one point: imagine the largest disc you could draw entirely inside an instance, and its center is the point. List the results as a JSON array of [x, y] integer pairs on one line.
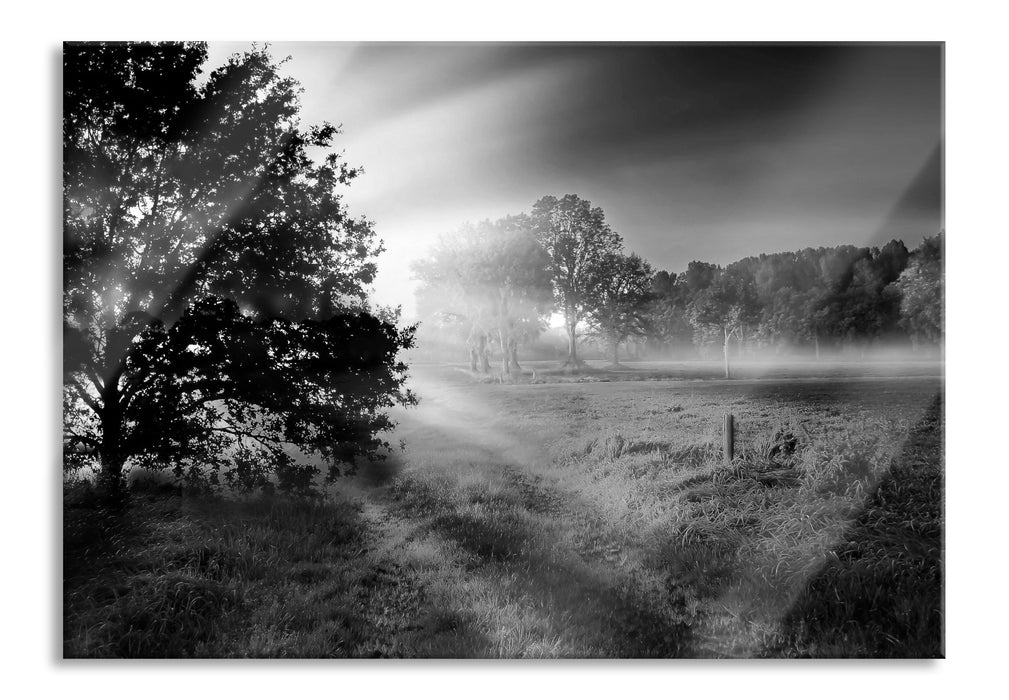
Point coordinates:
[[695, 152]]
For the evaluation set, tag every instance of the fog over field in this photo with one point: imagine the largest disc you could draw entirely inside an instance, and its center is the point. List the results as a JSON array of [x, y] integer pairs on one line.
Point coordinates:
[[407, 350]]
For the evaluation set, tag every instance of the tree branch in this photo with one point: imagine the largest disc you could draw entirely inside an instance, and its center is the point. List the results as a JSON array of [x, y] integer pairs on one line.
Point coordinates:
[[83, 394]]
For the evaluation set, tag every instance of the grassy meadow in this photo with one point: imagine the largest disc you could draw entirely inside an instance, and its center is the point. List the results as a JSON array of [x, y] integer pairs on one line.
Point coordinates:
[[587, 515]]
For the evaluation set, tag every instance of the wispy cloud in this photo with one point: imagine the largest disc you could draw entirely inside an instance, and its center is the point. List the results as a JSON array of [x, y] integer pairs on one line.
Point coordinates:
[[694, 152]]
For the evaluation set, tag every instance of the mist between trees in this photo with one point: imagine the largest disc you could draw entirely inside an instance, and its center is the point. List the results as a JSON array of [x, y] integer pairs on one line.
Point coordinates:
[[489, 289]]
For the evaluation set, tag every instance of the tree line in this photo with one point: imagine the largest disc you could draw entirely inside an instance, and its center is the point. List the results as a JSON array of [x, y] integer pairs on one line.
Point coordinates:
[[495, 284]]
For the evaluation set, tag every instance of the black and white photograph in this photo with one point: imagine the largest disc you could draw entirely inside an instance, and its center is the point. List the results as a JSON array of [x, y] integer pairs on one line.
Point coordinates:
[[503, 350]]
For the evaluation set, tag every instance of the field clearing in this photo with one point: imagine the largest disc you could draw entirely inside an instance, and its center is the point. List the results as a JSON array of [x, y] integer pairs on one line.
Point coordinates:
[[661, 370], [572, 518]]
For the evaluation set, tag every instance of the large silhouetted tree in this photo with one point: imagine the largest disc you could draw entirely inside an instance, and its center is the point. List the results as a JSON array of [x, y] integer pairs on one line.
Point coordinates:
[[576, 238], [215, 309]]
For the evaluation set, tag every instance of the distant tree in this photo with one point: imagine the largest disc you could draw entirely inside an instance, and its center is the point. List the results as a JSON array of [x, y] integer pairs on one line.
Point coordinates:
[[920, 287], [620, 296], [842, 295], [853, 301], [494, 278], [891, 260], [452, 311], [866, 306], [215, 308], [726, 306], [783, 282], [577, 239], [782, 317], [697, 277], [665, 322]]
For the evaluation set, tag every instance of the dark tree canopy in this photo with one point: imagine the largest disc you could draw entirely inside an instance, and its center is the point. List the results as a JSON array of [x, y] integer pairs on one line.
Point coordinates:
[[215, 301], [845, 297], [621, 294], [176, 188]]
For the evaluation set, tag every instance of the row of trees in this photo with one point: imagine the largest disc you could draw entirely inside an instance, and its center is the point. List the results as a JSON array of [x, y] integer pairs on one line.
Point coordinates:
[[497, 283], [846, 297]]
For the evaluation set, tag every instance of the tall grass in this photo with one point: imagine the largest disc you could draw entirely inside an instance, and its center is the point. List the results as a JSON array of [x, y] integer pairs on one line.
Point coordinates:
[[627, 536]]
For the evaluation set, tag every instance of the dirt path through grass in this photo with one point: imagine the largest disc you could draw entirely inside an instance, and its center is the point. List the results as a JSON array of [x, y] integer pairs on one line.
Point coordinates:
[[545, 557], [539, 565], [563, 580]]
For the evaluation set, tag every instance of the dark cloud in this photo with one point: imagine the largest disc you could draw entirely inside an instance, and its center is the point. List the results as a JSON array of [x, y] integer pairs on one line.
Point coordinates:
[[919, 212], [695, 151]]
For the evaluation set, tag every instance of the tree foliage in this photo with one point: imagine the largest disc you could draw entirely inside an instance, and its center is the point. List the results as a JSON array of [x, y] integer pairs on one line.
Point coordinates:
[[577, 241], [727, 305], [846, 297], [492, 279], [215, 286], [921, 292], [619, 301]]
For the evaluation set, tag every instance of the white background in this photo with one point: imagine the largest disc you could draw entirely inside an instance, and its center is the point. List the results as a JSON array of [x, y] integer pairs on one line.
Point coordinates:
[[976, 182]]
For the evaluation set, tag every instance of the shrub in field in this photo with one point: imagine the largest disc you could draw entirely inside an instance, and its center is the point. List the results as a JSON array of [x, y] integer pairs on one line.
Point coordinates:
[[777, 445], [608, 447], [614, 446], [768, 458]]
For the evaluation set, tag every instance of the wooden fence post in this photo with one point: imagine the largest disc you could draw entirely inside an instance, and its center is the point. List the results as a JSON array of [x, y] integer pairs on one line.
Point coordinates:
[[728, 437]]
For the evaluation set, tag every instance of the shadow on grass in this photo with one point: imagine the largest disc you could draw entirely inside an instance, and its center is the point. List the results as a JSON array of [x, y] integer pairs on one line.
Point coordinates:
[[881, 593], [374, 473], [174, 577], [596, 609]]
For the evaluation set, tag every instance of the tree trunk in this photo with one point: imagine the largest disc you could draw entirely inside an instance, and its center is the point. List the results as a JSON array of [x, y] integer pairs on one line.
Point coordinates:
[[572, 325], [504, 333], [616, 353], [482, 350], [505, 352], [725, 353], [472, 357], [515, 355], [816, 345], [110, 451]]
